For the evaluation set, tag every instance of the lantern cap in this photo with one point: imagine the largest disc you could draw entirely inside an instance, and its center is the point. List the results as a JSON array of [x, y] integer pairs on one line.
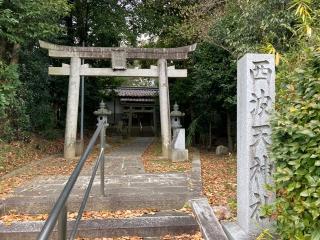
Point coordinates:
[[176, 112], [103, 110]]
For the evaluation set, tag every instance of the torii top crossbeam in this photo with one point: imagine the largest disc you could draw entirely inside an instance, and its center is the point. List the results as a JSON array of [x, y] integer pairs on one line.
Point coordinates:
[[61, 51]]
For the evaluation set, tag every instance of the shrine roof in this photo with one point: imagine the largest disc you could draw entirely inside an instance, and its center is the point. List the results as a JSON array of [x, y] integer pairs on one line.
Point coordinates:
[[137, 100], [137, 92], [61, 51]]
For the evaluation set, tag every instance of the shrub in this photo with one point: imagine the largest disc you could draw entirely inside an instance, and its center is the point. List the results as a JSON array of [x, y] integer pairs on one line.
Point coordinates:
[[296, 149], [17, 123], [14, 122], [9, 82]]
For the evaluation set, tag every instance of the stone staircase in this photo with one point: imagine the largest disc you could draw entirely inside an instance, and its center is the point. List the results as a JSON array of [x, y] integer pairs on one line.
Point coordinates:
[[163, 192], [127, 187]]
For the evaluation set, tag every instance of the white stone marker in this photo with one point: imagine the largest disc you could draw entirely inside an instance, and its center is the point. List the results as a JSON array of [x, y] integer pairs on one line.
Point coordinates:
[[180, 140], [179, 152], [255, 99], [164, 107], [72, 109]]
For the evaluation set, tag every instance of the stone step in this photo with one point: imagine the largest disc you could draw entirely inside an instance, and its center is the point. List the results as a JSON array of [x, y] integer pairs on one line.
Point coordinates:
[[145, 226], [157, 191], [134, 178], [33, 205]]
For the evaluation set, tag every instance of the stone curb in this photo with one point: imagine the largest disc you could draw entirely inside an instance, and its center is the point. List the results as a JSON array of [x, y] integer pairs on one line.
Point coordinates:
[[210, 226], [195, 182]]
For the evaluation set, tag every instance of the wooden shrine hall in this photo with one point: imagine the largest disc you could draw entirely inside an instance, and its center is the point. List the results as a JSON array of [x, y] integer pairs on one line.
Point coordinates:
[[134, 111]]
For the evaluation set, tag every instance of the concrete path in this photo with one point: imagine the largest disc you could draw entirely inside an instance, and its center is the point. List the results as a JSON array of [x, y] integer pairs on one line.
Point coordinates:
[[127, 159]]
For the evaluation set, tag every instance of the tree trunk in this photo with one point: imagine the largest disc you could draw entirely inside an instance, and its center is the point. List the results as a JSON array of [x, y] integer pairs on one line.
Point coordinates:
[[230, 142], [210, 136], [70, 29], [3, 45], [194, 135], [15, 54]]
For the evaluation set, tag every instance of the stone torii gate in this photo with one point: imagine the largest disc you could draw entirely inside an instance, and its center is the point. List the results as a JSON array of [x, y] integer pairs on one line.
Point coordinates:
[[119, 58]]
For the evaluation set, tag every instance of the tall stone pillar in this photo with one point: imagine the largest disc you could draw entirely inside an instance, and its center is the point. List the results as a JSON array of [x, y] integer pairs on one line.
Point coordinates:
[[255, 99], [164, 107], [72, 108]]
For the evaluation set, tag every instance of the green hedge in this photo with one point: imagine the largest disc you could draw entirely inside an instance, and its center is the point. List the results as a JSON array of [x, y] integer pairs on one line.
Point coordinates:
[[296, 148]]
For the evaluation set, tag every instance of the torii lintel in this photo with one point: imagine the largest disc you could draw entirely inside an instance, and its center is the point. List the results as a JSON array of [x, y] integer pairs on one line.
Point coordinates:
[[61, 51]]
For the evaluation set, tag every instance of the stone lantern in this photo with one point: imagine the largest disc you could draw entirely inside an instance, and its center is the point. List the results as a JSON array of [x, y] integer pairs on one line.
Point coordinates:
[[102, 113], [176, 118], [178, 146]]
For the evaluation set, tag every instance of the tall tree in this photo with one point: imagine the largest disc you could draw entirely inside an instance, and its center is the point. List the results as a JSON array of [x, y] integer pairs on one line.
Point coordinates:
[[211, 81], [23, 20], [104, 23], [158, 19], [101, 23], [22, 23]]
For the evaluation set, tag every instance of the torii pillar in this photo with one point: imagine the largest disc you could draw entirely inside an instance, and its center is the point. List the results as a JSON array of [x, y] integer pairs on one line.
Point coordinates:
[[164, 107], [72, 109]]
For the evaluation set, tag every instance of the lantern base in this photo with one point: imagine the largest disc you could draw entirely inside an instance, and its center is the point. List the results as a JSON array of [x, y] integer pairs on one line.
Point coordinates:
[[179, 155]]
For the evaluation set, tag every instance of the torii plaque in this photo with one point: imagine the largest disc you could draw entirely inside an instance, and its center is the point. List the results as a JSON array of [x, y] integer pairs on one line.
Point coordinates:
[[119, 68]]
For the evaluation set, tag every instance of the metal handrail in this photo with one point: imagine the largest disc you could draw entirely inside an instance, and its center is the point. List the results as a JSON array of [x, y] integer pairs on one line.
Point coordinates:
[[59, 210], [86, 195]]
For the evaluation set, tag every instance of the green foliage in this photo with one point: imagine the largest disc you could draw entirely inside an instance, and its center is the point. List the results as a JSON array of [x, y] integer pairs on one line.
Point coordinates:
[[101, 23], [265, 235], [39, 92], [22, 23], [214, 77], [9, 82], [249, 25], [22, 20], [17, 123], [296, 131], [295, 148], [13, 118], [211, 85], [192, 131], [52, 134]]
